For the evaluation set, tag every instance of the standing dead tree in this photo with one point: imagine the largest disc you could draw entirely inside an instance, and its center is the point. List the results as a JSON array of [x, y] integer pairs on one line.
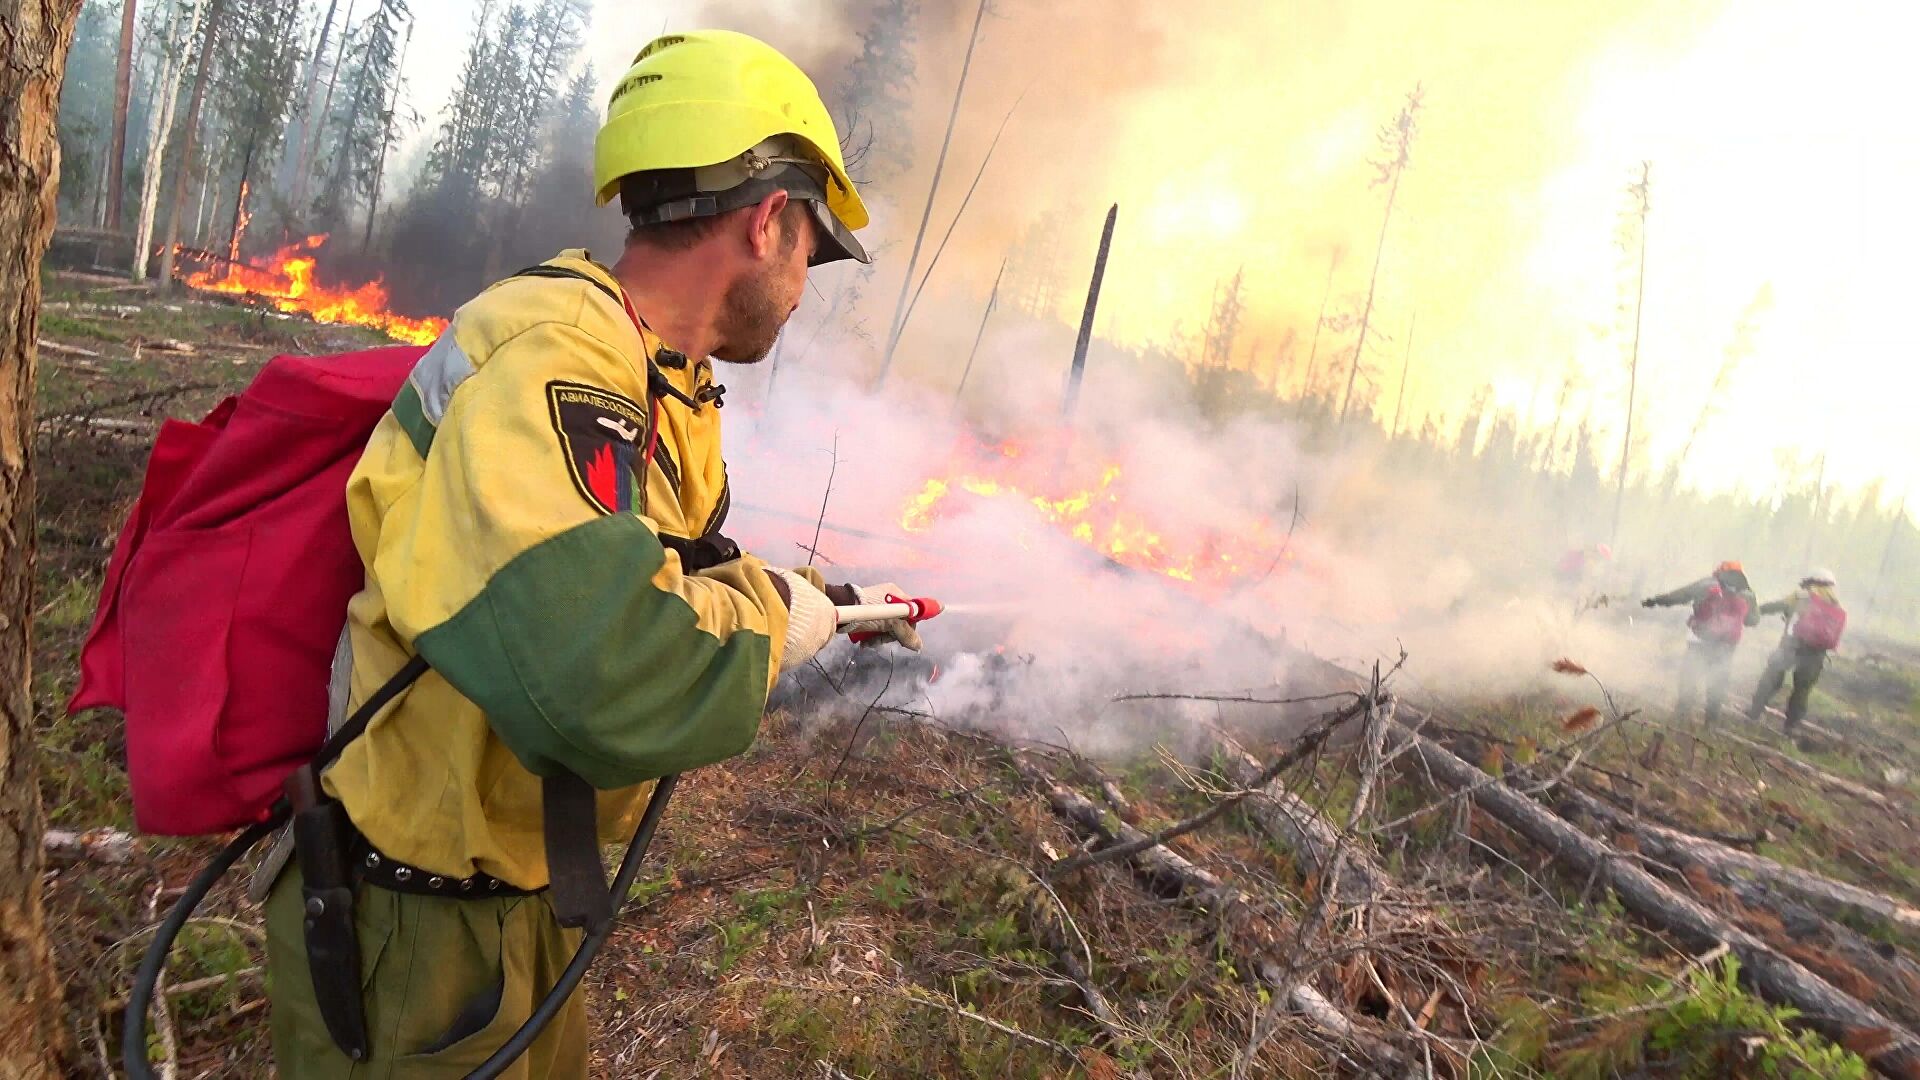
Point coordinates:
[[160, 129], [1396, 147], [993, 300], [933, 189], [1738, 349], [1313, 351], [177, 205], [1639, 206], [1406, 369]]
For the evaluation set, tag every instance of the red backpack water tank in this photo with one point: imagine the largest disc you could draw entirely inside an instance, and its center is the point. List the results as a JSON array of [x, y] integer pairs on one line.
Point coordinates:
[[228, 586], [1820, 623], [1721, 616]]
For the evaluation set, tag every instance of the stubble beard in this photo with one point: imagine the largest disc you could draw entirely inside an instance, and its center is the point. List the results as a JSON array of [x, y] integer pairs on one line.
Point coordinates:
[[753, 318]]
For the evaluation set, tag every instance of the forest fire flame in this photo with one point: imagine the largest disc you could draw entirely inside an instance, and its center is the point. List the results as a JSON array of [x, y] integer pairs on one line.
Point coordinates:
[[287, 282], [1094, 513]]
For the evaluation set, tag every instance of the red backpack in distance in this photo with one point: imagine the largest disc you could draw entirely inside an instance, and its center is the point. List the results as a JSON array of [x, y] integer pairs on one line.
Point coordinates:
[[1819, 623], [228, 586], [1721, 616]]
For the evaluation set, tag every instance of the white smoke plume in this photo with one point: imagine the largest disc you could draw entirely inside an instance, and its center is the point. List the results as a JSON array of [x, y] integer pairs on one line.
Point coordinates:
[[1045, 632]]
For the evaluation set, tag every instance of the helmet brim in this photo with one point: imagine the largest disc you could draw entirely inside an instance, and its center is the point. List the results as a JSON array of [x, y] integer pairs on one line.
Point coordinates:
[[836, 242]]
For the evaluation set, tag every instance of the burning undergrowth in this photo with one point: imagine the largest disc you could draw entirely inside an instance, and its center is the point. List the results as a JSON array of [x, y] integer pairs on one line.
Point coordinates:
[[1143, 547], [289, 281]]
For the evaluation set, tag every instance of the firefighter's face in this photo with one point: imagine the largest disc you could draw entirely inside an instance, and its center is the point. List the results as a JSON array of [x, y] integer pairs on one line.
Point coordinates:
[[768, 291]]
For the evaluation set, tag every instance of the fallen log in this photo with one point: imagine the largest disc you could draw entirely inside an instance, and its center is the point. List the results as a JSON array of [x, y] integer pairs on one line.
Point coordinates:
[[64, 349], [1173, 875], [1841, 955], [110, 847], [1894, 1051], [1292, 822], [1817, 775], [1676, 847]]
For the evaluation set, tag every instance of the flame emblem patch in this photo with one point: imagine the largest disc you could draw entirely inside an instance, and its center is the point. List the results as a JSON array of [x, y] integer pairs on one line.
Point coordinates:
[[602, 436]]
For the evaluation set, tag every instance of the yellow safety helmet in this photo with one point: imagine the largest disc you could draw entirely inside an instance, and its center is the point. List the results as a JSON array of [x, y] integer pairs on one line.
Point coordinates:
[[710, 120]]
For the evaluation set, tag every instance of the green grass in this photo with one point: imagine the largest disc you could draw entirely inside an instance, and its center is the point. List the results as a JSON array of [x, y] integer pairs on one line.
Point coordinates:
[[59, 325]]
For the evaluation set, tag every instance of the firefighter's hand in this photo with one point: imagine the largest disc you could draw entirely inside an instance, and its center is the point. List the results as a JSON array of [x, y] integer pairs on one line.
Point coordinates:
[[810, 618], [899, 630]]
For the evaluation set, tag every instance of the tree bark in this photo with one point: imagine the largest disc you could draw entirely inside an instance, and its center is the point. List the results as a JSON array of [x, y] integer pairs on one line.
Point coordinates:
[[386, 140], [296, 149], [168, 90], [316, 129], [1674, 847], [184, 171], [33, 57], [1774, 976], [122, 98]]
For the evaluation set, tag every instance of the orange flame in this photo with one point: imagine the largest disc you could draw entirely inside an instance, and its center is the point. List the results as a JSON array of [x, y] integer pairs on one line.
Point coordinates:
[[1096, 515], [288, 284], [242, 217]]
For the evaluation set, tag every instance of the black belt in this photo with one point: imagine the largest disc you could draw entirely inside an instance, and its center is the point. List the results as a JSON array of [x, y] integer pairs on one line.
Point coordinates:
[[386, 872]]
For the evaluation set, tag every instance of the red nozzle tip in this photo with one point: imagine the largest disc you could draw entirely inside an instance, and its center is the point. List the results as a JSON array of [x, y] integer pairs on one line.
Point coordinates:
[[929, 607]]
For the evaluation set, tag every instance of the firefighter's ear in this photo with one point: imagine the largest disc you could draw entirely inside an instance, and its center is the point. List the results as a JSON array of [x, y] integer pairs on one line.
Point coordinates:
[[766, 231]]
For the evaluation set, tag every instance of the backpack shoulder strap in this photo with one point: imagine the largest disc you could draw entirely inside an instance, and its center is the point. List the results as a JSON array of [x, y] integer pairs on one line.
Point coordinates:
[[356, 724]]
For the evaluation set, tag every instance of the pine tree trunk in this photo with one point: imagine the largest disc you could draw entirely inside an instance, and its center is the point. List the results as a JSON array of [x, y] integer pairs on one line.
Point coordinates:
[[1633, 365], [386, 141], [33, 55], [1366, 312], [240, 205], [168, 91], [184, 172], [122, 97], [316, 128], [295, 153]]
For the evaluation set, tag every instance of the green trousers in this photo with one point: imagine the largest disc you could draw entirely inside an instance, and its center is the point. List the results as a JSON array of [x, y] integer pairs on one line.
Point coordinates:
[[1806, 663], [446, 982]]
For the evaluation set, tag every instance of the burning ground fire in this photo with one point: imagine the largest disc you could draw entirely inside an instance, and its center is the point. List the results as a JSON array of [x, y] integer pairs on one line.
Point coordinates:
[[1096, 514], [287, 282]]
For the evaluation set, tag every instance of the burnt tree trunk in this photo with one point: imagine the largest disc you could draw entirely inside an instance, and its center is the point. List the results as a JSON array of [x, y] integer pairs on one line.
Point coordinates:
[[33, 56]]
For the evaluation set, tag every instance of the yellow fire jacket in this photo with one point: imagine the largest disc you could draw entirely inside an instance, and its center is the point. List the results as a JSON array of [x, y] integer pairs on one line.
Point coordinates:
[[510, 540]]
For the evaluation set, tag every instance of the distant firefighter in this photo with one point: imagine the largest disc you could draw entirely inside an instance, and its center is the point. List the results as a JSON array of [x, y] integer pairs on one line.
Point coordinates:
[[1581, 563], [1723, 607], [1815, 622]]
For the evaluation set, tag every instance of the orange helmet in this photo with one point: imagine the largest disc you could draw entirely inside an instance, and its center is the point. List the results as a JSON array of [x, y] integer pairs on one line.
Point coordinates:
[[1730, 566]]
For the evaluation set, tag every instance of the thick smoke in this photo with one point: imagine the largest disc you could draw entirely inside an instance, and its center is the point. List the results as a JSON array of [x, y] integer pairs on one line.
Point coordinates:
[[1236, 139], [1045, 631]]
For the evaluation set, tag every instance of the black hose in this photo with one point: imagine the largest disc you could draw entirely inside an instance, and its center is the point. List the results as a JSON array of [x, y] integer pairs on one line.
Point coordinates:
[[133, 1039], [133, 1043], [556, 998]]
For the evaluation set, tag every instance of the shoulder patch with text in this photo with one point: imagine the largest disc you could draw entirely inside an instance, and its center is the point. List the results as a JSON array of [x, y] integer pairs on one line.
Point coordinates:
[[602, 436]]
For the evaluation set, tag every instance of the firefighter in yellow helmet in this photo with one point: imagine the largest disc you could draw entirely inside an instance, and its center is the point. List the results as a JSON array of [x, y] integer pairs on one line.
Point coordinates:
[[540, 518]]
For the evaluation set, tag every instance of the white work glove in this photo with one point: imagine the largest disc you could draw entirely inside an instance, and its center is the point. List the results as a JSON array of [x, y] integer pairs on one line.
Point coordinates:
[[899, 630], [810, 618]]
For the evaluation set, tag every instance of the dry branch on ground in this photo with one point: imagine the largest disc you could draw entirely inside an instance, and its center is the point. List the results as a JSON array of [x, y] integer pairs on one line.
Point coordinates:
[[1774, 976]]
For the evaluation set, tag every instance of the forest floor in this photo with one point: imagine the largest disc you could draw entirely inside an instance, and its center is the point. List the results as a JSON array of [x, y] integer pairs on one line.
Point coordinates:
[[871, 893]]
